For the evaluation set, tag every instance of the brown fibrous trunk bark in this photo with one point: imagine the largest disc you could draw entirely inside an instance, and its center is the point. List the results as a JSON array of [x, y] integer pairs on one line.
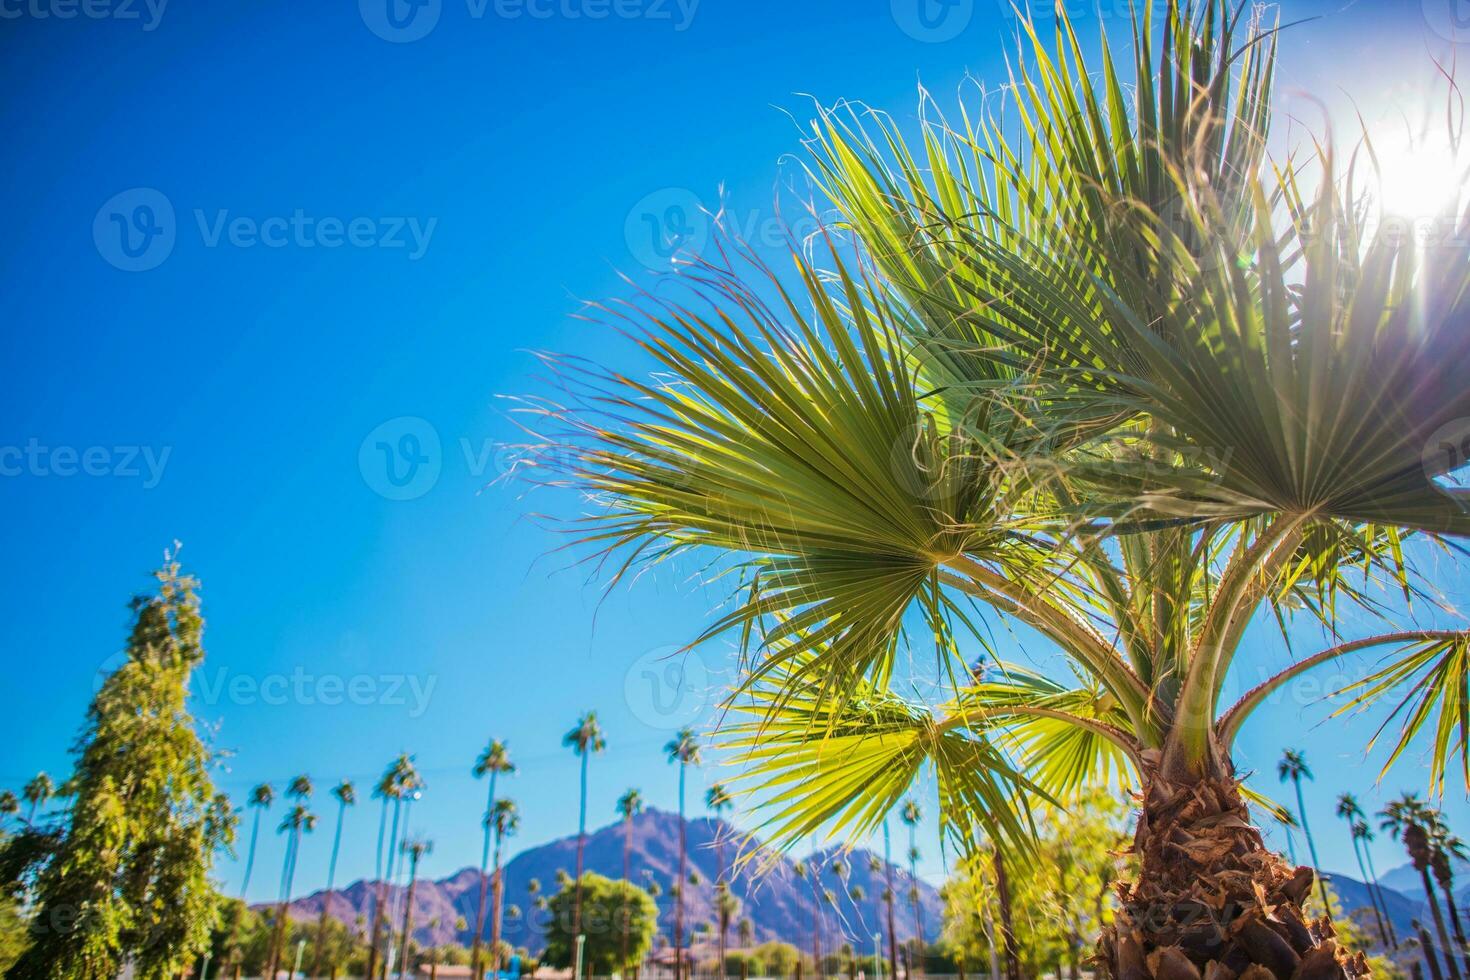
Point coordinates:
[[1211, 901]]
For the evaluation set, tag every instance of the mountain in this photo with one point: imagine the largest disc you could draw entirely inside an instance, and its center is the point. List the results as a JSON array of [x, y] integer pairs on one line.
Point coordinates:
[[1402, 909], [777, 902]]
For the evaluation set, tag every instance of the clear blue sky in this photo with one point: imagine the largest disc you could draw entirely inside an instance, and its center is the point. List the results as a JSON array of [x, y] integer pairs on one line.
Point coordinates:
[[366, 230]]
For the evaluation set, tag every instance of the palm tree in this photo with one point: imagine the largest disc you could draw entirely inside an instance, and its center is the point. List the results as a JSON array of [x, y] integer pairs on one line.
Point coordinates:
[[1074, 377], [888, 896], [1364, 834], [683, 751], [584, 740], [414, 850], [9, 804], [911, 814], [297, 820], [411, 785], [799, 868], [1444, 846], [346, 795], [630, 804], [1408, 819], [261, 798], [1349, 810], [718, 799], [37, 793], [506, 820], [1293, 766], [1288, 822], [493, 761], [392, 788]]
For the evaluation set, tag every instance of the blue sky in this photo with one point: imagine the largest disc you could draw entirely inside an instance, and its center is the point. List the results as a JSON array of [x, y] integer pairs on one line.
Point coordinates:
[[340, 238]]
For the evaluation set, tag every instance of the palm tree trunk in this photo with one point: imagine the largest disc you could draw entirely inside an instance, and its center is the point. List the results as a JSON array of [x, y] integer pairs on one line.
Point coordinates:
[[1007, 927], [288, 874], [1301, 810], [581, 842], [385, 865], [497, 887], [1393, 939], [722, 911], [1372, 896], [1439, 927], [1428, 947], [400, 854], [413, 874], [683, 877], [321, 925], [1209, 895], [627, 883], [1447, 888], [888, 901], [918, 908], [480, 905]]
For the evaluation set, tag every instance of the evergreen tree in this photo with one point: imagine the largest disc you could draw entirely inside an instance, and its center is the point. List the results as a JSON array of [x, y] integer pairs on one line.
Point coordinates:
[[129, 878]]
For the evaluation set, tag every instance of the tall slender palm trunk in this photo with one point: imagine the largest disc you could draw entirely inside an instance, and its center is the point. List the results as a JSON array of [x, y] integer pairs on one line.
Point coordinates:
[[1210, 896], [627, 884], [384, 866], [497, 888], [413, 875], [1372, 895], [1301, 810], [916, 963], [1439, 926], [683, 883], [1007, 923], [288, 877], [1444, 875], [321, 924], [1393, 940], [581, 844], [888, 902], [476, 943]]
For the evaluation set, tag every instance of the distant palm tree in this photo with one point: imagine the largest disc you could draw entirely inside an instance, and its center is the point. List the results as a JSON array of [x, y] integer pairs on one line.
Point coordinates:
[[683, 751], [297, 821], [346, 796], [393, 787], [297, 818], [888, 895], [911, 814], [412, 785], [37, 792], [746, 932], [1293, 766], [1288, 824], [387, 791], [1349, 810], [584, 740], [1407, 819], [718, 799], [1444, 846], [493, 761], [1364, 833], [799, 869], [261, 798], [630, 804], [415, 850], [506, 820], [9, 804]]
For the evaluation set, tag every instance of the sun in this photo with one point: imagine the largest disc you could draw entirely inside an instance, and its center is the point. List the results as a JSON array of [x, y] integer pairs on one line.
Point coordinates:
[[1419, 174]]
